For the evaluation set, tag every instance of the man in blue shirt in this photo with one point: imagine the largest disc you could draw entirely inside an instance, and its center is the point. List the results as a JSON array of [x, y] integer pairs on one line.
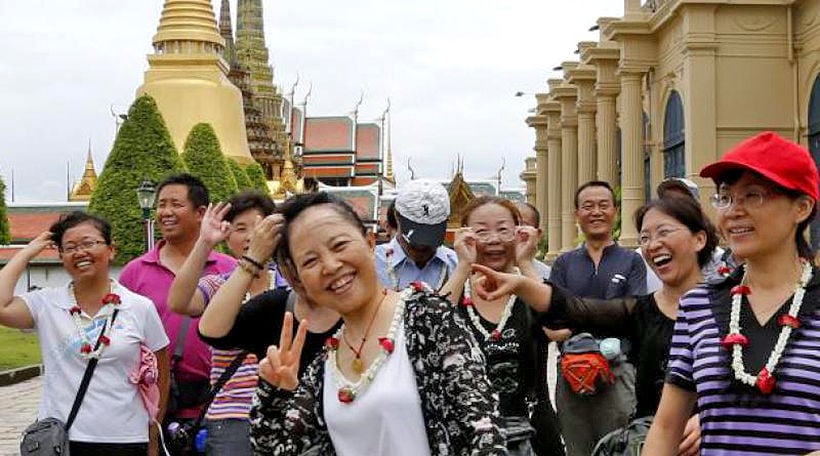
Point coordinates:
[[416, 251], [600, 269]]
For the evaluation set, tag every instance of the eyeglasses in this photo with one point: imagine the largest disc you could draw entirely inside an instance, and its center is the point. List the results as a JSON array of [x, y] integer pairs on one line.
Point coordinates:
[[661, 234], [749, 199], [503, 235], [591, 207], [84, 246]]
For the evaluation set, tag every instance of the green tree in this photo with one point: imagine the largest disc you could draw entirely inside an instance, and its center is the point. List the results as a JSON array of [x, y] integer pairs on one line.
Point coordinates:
[[142, 150], [242, 180], [5, 231], [257, 177], [204, 159]]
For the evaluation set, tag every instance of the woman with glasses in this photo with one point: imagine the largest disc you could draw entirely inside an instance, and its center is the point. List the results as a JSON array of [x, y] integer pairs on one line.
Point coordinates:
[[745, 350], [505, 328], [400, 377], [677, 239], [93, 317]]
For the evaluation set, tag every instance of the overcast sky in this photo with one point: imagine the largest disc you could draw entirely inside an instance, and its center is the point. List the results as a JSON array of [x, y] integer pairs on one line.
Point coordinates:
[[450, 67]]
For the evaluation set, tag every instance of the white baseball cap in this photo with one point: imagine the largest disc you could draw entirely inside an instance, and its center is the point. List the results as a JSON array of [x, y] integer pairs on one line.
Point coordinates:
[[422, 208]]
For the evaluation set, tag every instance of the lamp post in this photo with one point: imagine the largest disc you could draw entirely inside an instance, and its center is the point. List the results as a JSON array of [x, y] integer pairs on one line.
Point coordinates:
[[146, 193]]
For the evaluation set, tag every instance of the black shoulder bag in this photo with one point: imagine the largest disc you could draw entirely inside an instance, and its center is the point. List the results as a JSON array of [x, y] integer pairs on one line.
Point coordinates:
[[49, 436]]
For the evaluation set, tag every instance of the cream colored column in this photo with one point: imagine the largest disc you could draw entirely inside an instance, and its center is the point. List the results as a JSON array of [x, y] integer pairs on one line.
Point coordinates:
[[632, 154], [605, 121], [566, 94], [553, 214], [583, 77], [541, 123]]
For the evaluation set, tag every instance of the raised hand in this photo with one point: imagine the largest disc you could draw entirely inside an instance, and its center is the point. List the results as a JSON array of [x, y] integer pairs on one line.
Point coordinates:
[[526, 243], [280, 367], [38, 244], [493, 284], [214, 229], [465, 245], [266, 235]]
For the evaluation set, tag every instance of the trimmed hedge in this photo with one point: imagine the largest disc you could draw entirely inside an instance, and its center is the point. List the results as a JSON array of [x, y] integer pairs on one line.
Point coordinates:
[[142, 150], [257, 177], [204, 159], [5, 231], [242, 180]]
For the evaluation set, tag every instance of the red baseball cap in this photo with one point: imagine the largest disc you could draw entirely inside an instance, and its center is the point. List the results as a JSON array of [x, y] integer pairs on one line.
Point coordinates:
[[781, 161]]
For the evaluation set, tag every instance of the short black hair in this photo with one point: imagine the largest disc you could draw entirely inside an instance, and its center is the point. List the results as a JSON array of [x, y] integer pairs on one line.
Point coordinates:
[[294, 206], [72, 219], [594, 183], [391, 216], [534, 211], [247, 200], [197, 191], [688, 212]]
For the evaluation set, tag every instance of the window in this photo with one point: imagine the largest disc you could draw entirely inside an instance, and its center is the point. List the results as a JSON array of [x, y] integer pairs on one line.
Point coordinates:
[[674, 163]]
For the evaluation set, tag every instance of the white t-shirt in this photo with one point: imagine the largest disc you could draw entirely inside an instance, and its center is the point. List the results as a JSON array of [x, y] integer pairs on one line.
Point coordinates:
[[385, 418], [112, 410]]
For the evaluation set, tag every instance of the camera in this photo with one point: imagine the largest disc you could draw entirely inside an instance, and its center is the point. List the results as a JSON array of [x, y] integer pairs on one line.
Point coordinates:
[[185, 438]]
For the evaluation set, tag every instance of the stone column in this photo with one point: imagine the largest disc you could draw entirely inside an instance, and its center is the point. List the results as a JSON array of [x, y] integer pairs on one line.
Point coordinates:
[[583, 77], [566, 94], [632, 153], [553, 213], [605, 120], [541, 123]]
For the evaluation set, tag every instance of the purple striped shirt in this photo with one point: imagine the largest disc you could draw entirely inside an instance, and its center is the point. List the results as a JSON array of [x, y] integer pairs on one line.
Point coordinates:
[[738, 420]]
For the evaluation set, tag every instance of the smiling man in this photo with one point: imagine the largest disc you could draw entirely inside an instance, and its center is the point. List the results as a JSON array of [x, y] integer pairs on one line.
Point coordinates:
[[181, 203], [599, 269]]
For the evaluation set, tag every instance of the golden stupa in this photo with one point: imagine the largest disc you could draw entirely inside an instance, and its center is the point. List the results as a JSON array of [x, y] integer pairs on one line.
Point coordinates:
[[188, 78], [85, 187]]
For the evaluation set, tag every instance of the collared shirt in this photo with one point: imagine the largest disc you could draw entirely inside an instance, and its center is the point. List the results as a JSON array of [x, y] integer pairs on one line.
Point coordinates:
[[147, 276], [620, 273], [434, 273]]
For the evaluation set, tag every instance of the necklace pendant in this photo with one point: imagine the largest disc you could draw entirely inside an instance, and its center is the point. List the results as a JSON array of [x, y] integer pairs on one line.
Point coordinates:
[[346, 395], [495, 335], [358, 365], [765, 381]]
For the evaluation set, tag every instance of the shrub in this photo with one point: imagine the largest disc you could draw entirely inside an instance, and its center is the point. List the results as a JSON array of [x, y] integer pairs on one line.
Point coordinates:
[[5, 231], [142, 150], [257, 177], [242, 180], [204, 159]]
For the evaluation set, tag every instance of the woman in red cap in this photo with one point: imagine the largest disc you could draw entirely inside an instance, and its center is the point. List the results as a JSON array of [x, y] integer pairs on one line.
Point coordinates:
[[745, 350]]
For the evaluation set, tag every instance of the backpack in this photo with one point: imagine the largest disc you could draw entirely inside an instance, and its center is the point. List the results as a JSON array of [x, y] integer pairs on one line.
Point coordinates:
[[584, 367], [626, 441]]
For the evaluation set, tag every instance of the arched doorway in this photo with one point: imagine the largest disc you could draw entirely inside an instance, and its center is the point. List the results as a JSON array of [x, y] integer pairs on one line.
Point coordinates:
[[674, 162], [814, 147]]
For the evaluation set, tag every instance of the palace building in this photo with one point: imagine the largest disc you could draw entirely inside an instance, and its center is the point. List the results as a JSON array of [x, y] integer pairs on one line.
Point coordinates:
[[666, 89]]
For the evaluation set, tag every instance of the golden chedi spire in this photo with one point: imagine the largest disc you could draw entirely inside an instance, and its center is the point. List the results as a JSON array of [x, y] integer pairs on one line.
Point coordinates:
[[187, 77], [85, 187]]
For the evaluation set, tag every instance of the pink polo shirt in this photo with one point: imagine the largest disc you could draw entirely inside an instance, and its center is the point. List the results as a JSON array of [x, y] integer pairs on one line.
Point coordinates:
[[145, 275]]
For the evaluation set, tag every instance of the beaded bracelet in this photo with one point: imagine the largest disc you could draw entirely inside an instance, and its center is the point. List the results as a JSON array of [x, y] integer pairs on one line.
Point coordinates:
[[248, 267], [254, 262]]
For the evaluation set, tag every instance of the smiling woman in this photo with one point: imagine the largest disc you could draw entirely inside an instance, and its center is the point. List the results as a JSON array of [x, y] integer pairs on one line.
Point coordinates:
[[93, 318], [402, 375]]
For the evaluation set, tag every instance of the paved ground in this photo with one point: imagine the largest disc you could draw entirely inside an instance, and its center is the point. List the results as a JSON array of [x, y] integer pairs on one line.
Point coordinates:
[[18, 408]]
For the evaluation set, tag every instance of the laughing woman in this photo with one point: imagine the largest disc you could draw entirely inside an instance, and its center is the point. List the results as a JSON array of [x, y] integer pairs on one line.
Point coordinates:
[[746, 350], [401, 377], [93, 310]]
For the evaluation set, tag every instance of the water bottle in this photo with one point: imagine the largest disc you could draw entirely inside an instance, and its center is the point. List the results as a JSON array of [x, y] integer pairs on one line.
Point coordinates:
[[200, 439], [610, 348]]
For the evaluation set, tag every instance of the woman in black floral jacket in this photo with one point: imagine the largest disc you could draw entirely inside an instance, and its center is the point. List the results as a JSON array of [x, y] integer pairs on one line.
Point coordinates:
[[403, 376]]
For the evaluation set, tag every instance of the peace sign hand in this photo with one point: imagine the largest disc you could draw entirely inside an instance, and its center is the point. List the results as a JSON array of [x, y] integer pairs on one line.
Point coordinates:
[[280, 367], [493, 284], [465, 245]]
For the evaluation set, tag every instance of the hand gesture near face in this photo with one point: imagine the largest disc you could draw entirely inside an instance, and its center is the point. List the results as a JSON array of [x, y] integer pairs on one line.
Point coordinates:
[[266, 235], [465, 245], [38, 244], [214, 229], [493, 284], [526, 243], [280, 367]]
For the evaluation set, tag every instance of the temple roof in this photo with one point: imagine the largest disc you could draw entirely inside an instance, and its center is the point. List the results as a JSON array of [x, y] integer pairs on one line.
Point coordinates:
[[328, 134], [368, 142], [188, 20]]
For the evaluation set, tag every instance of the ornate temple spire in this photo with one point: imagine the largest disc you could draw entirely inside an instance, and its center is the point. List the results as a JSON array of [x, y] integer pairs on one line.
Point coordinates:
[[252, 53], [82, 190], [184, 22], [389, 172], [226, 31]]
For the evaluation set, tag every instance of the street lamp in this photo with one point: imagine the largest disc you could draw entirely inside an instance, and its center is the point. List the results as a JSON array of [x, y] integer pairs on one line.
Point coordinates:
[[146, 193]]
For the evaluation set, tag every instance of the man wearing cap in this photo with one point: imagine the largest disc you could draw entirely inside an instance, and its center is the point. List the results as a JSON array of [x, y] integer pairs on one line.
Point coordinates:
[[416, 253]]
